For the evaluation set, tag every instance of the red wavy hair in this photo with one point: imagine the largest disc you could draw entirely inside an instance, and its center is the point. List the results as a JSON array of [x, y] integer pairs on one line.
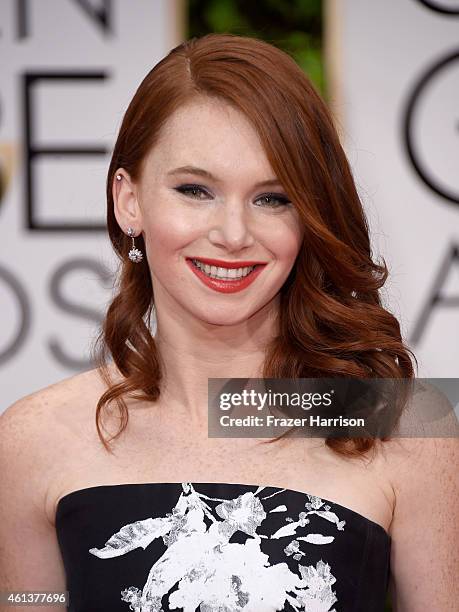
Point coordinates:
[[331, 320]]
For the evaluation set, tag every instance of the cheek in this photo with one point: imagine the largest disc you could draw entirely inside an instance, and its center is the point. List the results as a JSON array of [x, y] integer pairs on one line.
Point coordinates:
[[169, 233], [285, 243]]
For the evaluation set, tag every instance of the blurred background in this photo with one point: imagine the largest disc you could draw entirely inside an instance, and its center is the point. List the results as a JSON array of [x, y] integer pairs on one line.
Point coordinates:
[[389, 72]]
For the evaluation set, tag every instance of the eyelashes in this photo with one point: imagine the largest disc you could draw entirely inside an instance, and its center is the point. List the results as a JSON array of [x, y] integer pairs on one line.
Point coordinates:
[[279, 199], [186, 189]]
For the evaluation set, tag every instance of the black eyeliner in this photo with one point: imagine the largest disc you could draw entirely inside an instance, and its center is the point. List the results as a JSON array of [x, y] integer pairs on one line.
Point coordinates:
[[283, 200]]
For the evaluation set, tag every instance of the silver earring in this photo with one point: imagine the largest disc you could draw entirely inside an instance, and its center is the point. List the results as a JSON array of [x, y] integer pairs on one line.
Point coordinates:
[[134, 254], [118, 177]]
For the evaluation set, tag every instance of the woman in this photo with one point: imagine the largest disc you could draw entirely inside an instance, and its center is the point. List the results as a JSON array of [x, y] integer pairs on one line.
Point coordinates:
[[235, 216]]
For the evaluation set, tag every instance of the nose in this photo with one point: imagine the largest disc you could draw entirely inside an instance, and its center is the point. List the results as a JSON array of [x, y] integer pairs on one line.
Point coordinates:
[[231, 227]]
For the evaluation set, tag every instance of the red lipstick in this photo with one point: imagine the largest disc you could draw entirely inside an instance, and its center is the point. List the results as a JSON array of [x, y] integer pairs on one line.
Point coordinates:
[[230, 285]]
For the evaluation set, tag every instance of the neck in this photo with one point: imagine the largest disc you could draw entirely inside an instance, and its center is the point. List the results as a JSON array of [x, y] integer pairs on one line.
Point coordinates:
[[192, 351]]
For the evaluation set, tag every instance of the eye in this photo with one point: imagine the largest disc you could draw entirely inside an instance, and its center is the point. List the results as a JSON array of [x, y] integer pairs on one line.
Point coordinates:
[[270, 200], [276, 197], [191, 189]]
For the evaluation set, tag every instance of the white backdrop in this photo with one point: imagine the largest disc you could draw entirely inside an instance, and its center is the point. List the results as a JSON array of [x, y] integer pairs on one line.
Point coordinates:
[[68, 71], [396, 77]]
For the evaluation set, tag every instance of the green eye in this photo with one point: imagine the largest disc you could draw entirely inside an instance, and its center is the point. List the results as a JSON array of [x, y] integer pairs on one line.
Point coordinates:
[[281, 200], [191, 189]]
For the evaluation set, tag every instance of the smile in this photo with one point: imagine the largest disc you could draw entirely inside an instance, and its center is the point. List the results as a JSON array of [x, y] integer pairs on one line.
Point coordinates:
[[225, 279], [223, 273]]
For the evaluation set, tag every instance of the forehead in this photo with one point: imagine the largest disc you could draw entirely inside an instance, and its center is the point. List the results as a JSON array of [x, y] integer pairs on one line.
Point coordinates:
[[212, 134]]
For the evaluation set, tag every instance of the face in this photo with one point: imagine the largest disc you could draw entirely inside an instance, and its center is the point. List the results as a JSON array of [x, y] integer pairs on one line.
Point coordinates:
[[206, 209]]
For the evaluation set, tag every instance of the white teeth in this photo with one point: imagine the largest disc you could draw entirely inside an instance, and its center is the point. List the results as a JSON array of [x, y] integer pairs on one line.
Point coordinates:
[[223, 273]]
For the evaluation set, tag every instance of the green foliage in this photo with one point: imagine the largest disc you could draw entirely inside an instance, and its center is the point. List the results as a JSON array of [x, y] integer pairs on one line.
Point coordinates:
[[292, 25]]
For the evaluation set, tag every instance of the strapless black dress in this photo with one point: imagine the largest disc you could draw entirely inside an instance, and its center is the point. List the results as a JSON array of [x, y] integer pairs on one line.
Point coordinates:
[[218, 547]]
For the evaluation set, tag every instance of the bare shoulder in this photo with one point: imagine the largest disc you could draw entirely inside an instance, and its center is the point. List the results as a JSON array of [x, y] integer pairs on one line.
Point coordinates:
[[419, 469], [47, 409], [38, 431], [412, 462], [399, 450], [424, 476]]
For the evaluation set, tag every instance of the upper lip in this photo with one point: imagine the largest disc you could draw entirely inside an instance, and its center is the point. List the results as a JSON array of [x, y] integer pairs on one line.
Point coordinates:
[[228, 264]]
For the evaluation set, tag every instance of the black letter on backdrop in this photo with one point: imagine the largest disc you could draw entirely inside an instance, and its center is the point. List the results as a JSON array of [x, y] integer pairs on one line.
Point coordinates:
[[75, 307], [101, 17], [31, 151], [24, 312], [436, 297]]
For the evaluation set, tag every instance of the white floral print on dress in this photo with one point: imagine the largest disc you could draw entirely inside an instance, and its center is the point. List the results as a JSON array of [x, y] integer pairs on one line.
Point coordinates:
[[212, 574]]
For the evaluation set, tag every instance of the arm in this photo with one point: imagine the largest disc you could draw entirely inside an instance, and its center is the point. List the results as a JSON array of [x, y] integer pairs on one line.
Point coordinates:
[[30, 558], [425, 525]]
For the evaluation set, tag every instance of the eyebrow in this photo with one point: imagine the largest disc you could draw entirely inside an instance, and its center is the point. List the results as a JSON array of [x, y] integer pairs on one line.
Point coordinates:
[[208, 175]]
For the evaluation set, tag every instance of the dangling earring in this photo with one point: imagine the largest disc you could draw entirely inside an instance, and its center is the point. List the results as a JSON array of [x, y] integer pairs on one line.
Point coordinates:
[[134, 254]]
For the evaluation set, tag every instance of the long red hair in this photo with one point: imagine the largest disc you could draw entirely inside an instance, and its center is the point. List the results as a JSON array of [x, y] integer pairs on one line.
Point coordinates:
[[332, 321]]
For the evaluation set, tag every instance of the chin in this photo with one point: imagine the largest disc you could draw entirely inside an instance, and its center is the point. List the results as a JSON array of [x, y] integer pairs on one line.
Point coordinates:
[[223, 319]]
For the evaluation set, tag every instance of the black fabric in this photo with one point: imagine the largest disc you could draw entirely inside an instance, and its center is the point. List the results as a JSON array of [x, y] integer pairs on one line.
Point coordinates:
[[218, 547]]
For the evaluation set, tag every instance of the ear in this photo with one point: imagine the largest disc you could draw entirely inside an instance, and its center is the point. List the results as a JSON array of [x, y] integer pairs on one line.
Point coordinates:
[[126, 207]]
